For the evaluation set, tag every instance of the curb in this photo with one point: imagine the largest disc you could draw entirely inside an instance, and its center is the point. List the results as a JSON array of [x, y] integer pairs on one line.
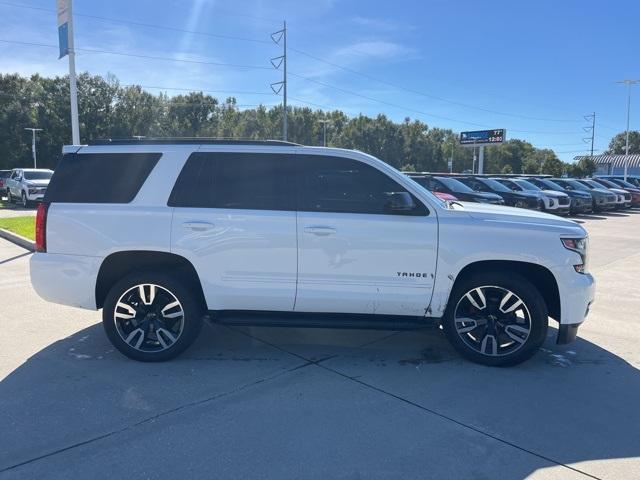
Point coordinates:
[[18, 240]]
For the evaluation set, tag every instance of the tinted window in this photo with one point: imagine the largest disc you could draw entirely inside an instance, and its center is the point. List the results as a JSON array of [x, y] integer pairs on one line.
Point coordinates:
[[5, 174], [495, 186], [527, 185], [454, 185], [342, 185], [237, 181], [548, 184], [100, 177], [37, 175]]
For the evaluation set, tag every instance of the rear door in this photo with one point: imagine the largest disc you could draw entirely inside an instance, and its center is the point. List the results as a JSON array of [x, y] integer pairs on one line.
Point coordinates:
[[355, 255], [234, 219]]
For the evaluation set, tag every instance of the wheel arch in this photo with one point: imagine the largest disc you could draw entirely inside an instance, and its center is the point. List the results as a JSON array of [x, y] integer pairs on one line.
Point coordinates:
[[541, 277], [117, 265]]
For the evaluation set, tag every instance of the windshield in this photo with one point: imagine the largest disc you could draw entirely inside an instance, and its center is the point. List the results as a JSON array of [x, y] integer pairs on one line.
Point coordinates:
[[37, 175], [551, 185], [527, 185], [454, 185], [607, 183], [577, 185], [494, 185], [619, 182], [592, 184]]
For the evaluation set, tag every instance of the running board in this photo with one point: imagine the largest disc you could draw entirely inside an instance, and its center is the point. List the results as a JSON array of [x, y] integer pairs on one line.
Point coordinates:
[[320, 320]]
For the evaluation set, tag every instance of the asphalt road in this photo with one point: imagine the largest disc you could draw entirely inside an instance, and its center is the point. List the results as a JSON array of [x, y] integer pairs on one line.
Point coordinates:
[[294, 403]]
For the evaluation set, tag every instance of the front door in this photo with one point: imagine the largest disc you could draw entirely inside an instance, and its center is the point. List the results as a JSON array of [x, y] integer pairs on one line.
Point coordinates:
[[355, 255], [235, 220]]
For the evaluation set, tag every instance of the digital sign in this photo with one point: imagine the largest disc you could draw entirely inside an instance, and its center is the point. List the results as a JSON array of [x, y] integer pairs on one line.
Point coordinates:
[[483, 137]]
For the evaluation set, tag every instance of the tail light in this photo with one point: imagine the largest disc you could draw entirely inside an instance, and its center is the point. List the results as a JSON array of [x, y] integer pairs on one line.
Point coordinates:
[[41, 227]]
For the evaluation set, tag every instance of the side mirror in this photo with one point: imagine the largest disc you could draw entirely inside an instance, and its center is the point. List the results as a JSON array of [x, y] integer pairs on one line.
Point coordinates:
[[400, 202]]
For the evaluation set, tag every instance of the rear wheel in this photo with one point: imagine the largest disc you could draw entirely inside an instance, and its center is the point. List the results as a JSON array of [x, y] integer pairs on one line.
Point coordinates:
[[152, 317], [496, 319]]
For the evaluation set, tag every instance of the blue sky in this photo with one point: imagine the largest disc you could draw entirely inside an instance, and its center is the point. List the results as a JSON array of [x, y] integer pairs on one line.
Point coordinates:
[[534, 68]]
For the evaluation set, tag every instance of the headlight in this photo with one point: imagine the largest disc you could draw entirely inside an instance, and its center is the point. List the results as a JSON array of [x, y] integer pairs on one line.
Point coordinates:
[[32, 191], [580, 246]]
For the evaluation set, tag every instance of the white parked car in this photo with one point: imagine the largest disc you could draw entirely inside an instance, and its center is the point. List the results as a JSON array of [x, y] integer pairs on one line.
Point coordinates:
[[158, 234], [554, 202], [27, 185]]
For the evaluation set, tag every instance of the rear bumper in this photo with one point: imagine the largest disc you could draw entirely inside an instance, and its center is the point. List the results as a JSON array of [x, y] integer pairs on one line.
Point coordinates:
[[65, 279]]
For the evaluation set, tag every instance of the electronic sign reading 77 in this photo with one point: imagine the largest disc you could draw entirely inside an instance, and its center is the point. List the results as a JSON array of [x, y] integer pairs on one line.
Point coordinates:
[[483, 137]]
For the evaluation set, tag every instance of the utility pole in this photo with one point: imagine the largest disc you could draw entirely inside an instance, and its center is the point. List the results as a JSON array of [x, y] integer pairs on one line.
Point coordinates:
[[451, 159], [33, 144], [628, 83], [277, 62], [592, 129], [324, 131], [66, 44]]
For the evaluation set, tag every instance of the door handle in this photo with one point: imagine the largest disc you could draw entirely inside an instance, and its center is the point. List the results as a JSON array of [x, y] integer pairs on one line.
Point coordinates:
[[198, 226], [320, 230]]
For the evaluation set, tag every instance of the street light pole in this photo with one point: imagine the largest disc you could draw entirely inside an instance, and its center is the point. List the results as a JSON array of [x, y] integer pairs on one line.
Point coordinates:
[[628, 83], [324, 131], [33, 144]]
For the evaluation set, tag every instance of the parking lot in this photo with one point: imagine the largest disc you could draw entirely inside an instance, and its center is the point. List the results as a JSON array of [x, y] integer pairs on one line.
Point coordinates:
[[319, 403]]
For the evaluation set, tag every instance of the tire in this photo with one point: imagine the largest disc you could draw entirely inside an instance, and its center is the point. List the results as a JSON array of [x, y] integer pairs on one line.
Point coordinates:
[[519, 332], [25, 202], [9, 197], [155, 330]]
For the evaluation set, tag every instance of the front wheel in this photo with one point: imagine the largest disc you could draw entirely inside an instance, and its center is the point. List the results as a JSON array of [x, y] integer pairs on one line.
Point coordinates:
[[152, 317], [496, 319], [25, 202]]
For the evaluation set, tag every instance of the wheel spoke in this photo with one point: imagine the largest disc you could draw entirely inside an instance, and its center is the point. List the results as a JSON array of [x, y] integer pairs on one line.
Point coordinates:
[[147, 297], [128, 315], [489, 345], [466, 324], [517, 333], [483, 301], [171, 306], [137, 332], [163, 335], [505, 300]]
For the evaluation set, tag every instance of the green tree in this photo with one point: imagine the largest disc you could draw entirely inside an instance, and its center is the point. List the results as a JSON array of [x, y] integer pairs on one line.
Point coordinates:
[[618, 143], [552, 166], [507, 169]]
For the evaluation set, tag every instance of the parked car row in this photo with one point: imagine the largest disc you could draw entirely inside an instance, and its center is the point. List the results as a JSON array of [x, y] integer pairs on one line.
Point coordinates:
[[24, 185], [561, 196]]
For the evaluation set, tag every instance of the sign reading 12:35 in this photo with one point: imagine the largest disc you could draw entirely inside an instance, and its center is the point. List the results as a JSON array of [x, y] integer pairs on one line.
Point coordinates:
[[483, 137]]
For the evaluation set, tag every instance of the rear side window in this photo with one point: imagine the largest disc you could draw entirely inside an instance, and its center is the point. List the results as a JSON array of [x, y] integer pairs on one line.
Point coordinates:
[[236, 181], [100, 177]]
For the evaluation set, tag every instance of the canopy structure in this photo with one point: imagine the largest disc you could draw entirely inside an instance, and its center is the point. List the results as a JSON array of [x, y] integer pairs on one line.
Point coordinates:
[[614, 164]]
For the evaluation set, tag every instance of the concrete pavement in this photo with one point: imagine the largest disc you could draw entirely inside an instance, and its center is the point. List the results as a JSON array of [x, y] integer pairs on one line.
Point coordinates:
[[306, 403]]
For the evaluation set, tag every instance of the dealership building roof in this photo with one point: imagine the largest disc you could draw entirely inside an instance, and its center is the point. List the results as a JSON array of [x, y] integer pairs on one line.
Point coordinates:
[[614, 164]]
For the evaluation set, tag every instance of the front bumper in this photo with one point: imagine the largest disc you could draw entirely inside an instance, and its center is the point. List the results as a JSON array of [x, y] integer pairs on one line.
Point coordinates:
[[577, 293]]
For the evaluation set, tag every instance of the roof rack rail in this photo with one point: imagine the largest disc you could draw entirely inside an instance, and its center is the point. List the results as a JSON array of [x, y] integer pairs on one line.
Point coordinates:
[[189, 141]]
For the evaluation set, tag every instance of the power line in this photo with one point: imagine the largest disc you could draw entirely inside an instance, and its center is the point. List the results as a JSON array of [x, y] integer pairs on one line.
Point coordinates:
[[184, 89], [137, 55], [152, 25], [428, 95], [408, 109], [314, 57]]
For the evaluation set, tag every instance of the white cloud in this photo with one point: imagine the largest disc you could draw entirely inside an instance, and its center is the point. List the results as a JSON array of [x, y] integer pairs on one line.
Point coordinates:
[[375, 49]]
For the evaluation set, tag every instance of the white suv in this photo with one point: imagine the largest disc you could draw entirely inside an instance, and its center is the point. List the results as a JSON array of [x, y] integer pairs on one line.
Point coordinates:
[[161, 233], [27, 185]]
